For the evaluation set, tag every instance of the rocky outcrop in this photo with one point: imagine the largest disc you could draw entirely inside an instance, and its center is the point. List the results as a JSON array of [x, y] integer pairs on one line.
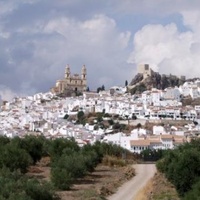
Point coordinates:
[[139, 84], [136, 79]]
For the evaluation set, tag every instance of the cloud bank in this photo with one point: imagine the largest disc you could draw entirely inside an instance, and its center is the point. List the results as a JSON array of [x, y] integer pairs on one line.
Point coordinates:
[[38, 39], [167, 50], [35, 55]]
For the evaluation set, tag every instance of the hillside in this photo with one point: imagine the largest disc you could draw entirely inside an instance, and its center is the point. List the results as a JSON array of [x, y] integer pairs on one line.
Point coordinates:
[[139, 84]]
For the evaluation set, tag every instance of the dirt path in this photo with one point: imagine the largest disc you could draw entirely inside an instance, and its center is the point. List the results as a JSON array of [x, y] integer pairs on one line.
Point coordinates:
[[129, 190]]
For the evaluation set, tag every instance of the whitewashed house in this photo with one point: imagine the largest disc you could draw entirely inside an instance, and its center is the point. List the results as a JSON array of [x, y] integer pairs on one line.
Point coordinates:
[[194, 92], [171, 93], [159, 130], [156, 97]]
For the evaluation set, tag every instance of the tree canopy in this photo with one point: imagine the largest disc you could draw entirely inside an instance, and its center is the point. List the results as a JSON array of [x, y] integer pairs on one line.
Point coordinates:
[[181, 167]]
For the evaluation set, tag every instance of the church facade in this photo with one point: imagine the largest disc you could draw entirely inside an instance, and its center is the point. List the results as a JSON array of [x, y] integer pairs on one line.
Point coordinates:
[[71, 82]]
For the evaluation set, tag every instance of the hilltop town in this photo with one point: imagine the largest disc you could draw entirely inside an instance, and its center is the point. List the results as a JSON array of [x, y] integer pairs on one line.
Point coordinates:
[[91, 116]]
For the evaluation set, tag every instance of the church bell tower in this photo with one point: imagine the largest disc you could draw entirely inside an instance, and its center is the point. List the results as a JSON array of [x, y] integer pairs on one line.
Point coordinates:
[[83, 75], [67, 72]]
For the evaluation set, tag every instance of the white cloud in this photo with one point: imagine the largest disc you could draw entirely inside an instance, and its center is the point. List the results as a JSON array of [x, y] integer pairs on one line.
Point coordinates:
[[38, 52], [6, 94], [95, 42], [38, 38], [167, 50]]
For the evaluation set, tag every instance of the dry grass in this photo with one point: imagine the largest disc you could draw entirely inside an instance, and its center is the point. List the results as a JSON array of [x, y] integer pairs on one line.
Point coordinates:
[[112, 161], [143, 193], [158, 188]]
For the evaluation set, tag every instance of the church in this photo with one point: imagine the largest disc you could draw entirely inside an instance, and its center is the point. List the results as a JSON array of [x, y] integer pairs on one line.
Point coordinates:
[[72, 83]]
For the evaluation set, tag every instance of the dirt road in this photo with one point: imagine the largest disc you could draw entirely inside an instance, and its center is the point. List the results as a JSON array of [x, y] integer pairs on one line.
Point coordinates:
[[129, 190]]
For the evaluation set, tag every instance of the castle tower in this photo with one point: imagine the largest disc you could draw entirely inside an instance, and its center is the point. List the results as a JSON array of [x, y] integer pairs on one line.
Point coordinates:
[[67, 72], [145, 70]]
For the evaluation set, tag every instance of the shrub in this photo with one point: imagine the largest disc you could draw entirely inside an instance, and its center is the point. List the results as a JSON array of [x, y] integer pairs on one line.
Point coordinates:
[[194, 193], [66, 169], [80, 115], [181, 166], [110, 121], [91, 157], [66, 116], [112, 161], [39, 190], [57, 147], [4, 140], [15, 186], [61, 178], [14, 158], [34, 146]]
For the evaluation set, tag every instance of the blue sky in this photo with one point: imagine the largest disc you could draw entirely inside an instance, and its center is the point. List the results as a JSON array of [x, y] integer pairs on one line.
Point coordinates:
[[39, 38]]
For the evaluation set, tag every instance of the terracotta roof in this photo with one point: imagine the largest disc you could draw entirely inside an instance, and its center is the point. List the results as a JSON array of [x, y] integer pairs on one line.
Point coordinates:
[[140, 142], [155, 142], [167, 136], [179, 137]]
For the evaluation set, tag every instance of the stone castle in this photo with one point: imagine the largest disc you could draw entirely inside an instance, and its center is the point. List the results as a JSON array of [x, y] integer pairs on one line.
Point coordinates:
[[71, 83], [146, 71]]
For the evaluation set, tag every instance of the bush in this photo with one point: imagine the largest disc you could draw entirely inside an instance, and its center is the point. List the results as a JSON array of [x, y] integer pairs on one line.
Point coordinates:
[[61, 178], [34, 146], [15, 186], [14, 158], [181, 166], [112, 161], [92, 157], [111, 122], [66, 116], [194, 193], [152, 154], [57, 147], [66, 169], [80, 115], [4, 140], [39, 190]]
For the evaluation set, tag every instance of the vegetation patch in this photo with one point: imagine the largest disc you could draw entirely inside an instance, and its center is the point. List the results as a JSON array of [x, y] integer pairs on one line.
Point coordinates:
[[34, 168], [113, 161], [159, 188], [181, 168]]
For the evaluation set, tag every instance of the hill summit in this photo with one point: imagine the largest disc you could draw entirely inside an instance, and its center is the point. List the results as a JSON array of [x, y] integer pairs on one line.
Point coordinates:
[[146, 79]]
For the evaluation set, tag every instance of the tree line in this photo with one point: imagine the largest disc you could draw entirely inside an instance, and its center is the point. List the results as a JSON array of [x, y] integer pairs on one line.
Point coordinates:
[[181, 167], [68, 162]]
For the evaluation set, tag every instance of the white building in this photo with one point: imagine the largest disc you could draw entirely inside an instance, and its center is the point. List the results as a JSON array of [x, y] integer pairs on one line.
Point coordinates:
[[159, 130], [171, 93]]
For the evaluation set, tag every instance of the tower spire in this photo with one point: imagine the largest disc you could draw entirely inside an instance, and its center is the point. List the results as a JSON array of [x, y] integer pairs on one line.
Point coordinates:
[[83, 72], [67, 71]]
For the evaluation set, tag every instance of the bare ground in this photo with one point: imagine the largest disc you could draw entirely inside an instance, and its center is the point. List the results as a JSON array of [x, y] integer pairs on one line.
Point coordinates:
[[97, 185]]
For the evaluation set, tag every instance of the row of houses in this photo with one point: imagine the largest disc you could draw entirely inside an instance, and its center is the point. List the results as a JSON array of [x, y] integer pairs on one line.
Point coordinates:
[[43, 113]]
